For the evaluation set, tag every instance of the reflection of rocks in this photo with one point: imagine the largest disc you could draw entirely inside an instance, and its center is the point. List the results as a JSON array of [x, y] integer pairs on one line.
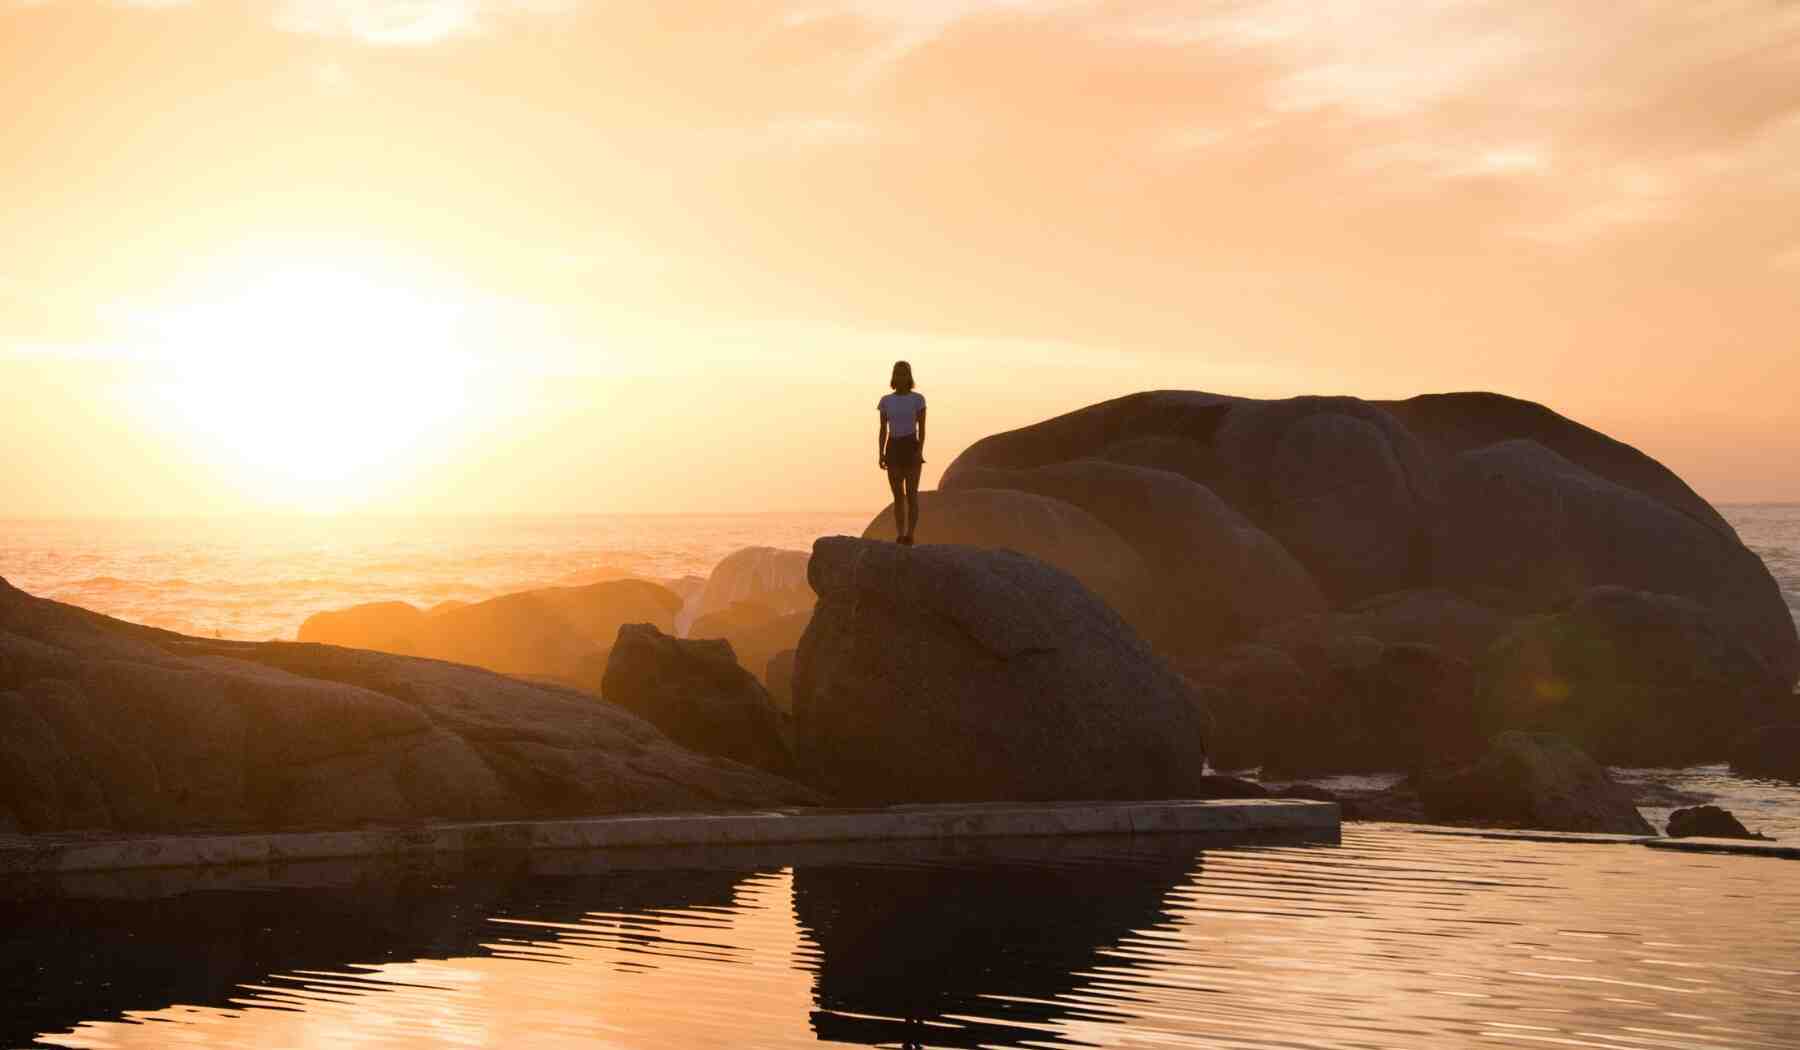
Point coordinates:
[[107, 725], [145, 944], [982, 950], [552, 633], [959, 675], [1531, 780], [695, 691]]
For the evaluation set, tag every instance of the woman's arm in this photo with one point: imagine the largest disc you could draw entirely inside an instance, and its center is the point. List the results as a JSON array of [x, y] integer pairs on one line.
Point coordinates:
[[881, 442], [921, 428]]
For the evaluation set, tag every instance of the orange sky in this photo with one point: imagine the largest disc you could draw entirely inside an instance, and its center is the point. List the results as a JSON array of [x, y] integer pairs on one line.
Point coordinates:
[[547, 255]]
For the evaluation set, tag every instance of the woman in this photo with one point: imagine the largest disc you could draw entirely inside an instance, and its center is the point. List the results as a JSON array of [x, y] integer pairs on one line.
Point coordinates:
[[900, 448]]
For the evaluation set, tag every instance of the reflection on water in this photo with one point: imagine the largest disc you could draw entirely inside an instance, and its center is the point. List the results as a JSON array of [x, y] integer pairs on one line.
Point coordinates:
[[1393, 939]]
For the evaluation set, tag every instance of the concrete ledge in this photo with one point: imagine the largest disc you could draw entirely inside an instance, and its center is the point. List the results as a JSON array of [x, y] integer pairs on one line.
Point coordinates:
[[26, 855]]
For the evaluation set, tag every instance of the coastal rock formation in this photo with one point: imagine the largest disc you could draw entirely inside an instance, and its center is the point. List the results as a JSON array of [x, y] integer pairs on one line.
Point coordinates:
[[1340, 483], [107, 725], [756, 632], [549, 634], [1635, 678], [937, 673], [1768, 751], [1218, 578], [1047, 529], [1531, 780], [780, 679], [1708, 822], [694, 691], [769, 576], [1448, 520], [1250, 690], [1527, 530]]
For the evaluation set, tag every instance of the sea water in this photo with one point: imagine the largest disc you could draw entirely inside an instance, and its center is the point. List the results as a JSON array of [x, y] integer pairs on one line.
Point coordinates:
[[1394, 938]]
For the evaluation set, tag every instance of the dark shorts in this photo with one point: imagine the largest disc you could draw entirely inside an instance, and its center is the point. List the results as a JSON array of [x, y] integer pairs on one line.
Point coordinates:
[[902, 456]]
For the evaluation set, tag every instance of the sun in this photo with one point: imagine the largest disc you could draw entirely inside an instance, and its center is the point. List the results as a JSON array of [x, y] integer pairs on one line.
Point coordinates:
[[313, 384]]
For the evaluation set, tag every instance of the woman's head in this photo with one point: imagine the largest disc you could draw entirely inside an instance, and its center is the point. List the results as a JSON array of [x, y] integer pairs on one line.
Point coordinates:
[[902, 379]]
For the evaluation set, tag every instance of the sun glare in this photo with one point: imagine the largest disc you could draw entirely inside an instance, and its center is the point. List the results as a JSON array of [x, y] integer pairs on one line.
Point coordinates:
[[312, 384]]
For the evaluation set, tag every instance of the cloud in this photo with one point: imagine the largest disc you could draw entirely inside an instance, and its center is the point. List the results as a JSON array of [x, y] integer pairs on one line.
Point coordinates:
[[405, 22]]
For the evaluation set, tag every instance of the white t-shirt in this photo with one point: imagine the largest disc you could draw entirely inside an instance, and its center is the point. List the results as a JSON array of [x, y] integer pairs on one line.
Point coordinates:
[[902, 413]]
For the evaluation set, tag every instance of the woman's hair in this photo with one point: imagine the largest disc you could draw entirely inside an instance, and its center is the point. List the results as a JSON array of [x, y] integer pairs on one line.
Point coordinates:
[[902, 379]]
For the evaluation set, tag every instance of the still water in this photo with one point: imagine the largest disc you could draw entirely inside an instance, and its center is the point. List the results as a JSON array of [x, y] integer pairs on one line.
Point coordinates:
[[1395, 938]]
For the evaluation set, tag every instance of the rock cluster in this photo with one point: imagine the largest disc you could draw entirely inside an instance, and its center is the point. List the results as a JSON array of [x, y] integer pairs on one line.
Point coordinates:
[[1360, 585], [105, 725]]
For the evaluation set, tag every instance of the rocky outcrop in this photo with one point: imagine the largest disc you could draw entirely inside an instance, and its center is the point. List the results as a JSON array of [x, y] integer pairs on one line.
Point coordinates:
[[940, 673], [1768, 751], [1250, 690], [1531, 780], [755, 631], [694, 691], [1340, 483], [768, 576], [1635, 678], [106, 725], [1044, 528], [1708, 822], [1527, 530], [1451, 521], [552, 634], [1218, 579], [780, 679]]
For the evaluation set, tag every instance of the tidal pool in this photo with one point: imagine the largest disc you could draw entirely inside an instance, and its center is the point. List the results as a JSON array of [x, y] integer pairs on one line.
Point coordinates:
[[1391, 938]]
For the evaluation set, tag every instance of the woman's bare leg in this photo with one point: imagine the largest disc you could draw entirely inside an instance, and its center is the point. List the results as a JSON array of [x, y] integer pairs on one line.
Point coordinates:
[[912, 499], [897, 485]]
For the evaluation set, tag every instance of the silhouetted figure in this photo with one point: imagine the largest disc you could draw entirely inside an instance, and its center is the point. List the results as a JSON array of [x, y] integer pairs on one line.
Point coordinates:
[[900, 447]]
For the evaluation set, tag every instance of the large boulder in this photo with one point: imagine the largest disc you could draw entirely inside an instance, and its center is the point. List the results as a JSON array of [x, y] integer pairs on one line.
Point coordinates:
[[553, 633], [1218, 578], [1532, 780], [1633, 677], [1768, 751], [112, 726], [1047, 529], [940, 674], [1104, 430], [1340, 483], [1528, 530], [1708, 822], [1250, 690], [755, 631], [769, 576], [694, 691]]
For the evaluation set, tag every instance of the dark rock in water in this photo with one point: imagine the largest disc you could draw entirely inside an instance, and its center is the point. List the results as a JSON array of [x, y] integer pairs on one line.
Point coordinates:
[[780, 679], [107, 725], [695, 691], [1526, 529], [1044, 528], [1341, 483], [1531, 780], [1768, 751], [950, 674], [1708, 822], [554, 633], [1637, 679], [1218, 579]]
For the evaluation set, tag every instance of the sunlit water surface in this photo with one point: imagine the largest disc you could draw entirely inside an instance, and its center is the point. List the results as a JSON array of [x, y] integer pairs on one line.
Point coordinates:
[[1395, 938]]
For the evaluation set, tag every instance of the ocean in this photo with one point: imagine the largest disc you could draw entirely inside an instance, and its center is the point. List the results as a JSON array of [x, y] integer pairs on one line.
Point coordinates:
[[258, 578]]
